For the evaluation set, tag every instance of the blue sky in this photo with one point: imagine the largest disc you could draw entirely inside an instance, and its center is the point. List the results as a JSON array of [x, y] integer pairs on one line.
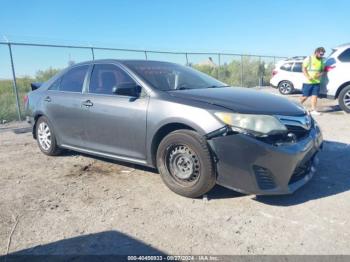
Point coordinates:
[[281, 28]]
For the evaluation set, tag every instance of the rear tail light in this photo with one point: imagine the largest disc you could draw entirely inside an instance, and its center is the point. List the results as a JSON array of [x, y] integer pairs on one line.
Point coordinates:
[[329, 68], [274, 72], [25, 99]]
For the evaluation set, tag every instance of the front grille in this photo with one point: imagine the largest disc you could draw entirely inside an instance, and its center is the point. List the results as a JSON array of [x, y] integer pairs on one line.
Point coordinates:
[[264, 178], [301, 171], [299, 132], [298, 127]]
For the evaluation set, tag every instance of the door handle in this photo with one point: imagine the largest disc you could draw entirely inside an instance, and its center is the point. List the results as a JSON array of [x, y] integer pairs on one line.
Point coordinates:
[[47, 99], [87, 103]]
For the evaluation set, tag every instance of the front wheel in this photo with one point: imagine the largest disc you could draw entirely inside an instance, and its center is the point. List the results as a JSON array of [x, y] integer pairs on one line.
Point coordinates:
[[344, 99], [185, 163]]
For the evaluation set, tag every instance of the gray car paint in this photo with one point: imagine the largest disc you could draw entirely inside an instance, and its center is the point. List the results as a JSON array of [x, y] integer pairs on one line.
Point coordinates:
[[239, 153], [67, 116], [121, 125], [243, 100], [125, 128]]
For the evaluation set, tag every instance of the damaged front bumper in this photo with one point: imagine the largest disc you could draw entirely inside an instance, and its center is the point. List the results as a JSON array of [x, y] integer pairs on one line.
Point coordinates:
[[250, 166]]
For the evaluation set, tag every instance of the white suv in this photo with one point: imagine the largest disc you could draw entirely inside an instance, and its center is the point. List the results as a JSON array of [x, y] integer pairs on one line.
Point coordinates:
[[288, 76], [336, 82]]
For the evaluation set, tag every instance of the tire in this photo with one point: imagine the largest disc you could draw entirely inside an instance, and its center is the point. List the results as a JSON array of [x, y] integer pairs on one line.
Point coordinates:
[[285, 87], [45, 136], [344, 99], [186, 164]]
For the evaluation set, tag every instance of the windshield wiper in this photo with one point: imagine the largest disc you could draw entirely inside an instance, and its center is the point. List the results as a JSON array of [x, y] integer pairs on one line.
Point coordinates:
[[214, 86], [181, 87], [184, 87]]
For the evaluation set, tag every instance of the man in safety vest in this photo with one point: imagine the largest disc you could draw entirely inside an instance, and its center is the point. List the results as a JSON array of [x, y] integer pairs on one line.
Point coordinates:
[[313, 68]]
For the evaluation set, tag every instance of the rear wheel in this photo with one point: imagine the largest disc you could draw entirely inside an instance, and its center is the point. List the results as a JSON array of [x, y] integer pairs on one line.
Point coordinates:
[[185, 163], [344, 99], [285, 87], [46, 138]]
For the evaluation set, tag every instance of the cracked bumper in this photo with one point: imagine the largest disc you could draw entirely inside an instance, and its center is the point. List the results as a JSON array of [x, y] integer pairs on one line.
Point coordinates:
[[250, 166]]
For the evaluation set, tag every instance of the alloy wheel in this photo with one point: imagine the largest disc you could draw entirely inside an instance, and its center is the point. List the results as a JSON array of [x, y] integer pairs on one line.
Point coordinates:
[[285, 88], [346, 99], [44, 136]]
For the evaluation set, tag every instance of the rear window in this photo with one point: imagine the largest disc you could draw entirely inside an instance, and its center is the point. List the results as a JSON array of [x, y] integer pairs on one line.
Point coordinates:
[[297, 67], [73, 80], [345, 56], [287, 66]]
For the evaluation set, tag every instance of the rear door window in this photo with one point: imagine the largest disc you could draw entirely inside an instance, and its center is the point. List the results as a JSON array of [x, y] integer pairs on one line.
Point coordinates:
[[297, 67], [287, 66], [73, 80], [345, 56], [106, 77]]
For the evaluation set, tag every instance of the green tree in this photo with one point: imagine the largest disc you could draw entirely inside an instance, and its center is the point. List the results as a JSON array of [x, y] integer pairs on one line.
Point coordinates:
[[207, 69], [232, 72], [44, 75], [7, 96]]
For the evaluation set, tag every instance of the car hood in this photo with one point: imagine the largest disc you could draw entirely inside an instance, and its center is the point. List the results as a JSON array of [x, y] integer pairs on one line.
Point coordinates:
[[242, 100]]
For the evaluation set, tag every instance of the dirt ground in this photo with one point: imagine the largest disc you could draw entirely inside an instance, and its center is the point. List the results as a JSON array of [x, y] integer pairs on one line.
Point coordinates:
[[78, 204]]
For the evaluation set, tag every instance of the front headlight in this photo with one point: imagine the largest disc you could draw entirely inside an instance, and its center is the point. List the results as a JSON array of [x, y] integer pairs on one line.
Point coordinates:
[[257, 125]]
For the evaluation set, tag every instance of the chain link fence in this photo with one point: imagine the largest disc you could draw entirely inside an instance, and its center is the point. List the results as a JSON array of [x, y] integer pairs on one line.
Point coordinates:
[[24, 63]]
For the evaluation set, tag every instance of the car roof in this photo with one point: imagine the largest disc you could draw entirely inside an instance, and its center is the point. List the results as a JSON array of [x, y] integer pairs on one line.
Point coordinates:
[[291, 60], [343, 45], [295, 58], [119, 61]]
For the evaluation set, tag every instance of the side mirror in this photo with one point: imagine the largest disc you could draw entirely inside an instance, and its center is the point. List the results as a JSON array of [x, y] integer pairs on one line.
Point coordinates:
[[127, 89]]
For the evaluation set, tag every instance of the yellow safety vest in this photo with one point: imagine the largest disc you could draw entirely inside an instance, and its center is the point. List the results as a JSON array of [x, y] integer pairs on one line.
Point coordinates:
[[313, 66]]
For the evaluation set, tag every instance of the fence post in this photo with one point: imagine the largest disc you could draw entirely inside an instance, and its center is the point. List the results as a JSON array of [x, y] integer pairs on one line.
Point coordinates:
[[146, 55], [219, 58], [260, 73], [92, 53], [242, 70], [186, 59], [15, 89]]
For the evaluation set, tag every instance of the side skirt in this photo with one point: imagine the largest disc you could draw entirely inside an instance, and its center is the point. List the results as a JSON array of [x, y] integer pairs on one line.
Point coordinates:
[[111, 156]]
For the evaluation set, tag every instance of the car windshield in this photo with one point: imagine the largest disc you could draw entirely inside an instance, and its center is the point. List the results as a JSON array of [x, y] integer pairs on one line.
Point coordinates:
[[169, 77]]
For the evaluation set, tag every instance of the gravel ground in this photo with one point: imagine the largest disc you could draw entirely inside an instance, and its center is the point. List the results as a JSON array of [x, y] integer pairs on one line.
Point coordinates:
[[77, 204]]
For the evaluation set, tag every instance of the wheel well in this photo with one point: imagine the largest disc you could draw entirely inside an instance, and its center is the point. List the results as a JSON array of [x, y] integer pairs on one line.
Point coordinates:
[[34, 126], [161, 133], [341, 88]]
